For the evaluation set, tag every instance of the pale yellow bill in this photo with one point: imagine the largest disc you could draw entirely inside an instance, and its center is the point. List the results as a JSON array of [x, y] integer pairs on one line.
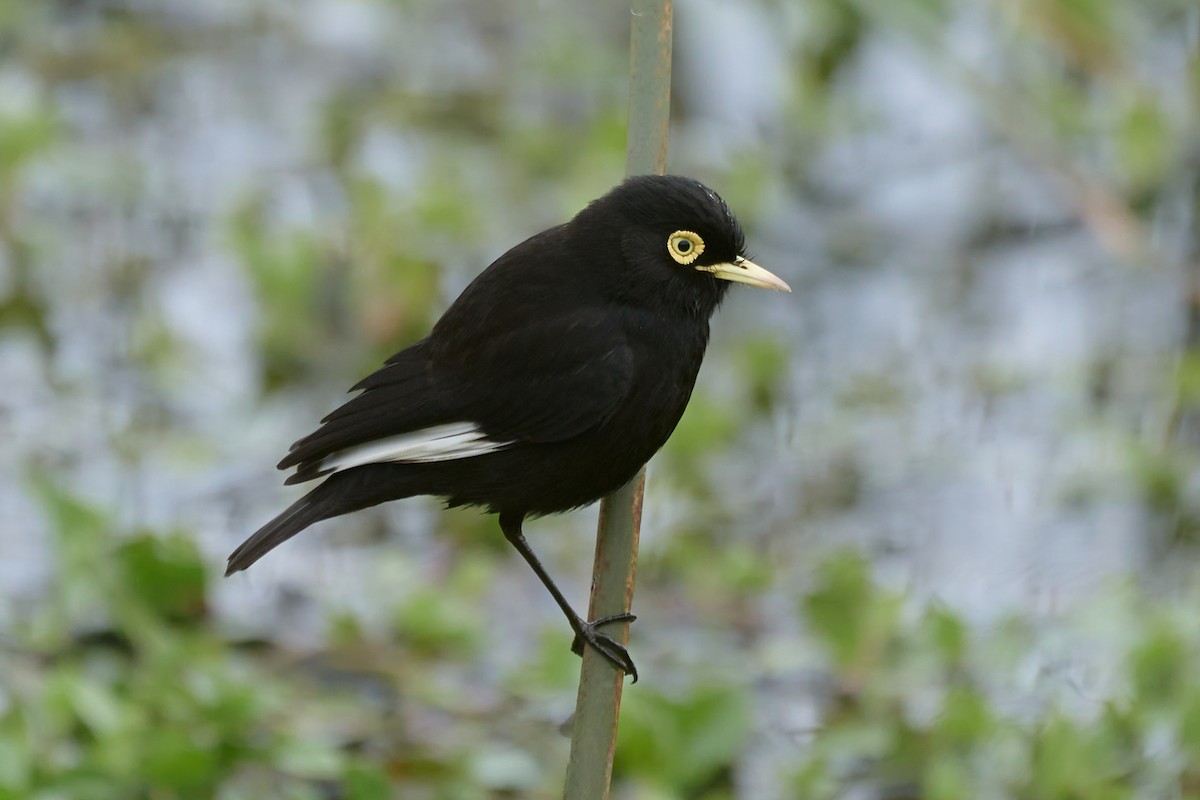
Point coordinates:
[[742, 270]]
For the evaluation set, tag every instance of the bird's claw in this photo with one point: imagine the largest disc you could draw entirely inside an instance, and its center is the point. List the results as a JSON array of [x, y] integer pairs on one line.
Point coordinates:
[[577, 644], [605, 645]]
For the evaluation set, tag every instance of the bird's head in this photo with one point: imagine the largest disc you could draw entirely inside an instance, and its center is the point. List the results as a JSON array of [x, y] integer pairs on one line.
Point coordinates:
[[677, 240]]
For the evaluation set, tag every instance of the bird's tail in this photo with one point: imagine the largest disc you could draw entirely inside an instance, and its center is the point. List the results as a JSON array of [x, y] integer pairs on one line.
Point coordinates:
[[339, 494], [297, 517]]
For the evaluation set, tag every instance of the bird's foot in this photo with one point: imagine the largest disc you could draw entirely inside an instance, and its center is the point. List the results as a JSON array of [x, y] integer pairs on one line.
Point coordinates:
[[605, 645]]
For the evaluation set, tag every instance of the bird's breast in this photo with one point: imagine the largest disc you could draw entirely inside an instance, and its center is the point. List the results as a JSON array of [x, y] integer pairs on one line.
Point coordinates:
[[667, 357]]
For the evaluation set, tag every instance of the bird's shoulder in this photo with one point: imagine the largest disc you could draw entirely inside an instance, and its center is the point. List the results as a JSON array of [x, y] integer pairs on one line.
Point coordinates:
[[540, 288]]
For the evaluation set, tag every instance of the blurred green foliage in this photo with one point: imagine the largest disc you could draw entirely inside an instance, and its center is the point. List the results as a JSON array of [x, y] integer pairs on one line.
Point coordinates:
[[119, 686], [22, 137], [682, 747], [915, 708]]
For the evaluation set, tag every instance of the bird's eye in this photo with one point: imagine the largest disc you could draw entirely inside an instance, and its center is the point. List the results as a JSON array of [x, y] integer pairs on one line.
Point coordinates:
[[685, 246]]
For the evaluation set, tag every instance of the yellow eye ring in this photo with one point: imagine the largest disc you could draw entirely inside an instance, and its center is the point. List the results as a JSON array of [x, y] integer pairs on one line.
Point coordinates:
[[685, 246]]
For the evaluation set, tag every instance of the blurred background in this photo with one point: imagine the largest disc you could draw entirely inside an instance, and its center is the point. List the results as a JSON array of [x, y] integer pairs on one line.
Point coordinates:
[[929, 528]]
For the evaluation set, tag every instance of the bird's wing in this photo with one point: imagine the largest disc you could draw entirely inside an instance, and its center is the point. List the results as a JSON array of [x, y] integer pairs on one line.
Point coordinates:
[[398, 402], [551, 380], [540, 379]]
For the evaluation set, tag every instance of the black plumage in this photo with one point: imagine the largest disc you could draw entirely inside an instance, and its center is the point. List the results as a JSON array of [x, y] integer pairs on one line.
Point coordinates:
[[557, 373]]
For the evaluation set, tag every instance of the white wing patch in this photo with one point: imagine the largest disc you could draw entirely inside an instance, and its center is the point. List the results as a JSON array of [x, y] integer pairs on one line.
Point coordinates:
[[439, 443]]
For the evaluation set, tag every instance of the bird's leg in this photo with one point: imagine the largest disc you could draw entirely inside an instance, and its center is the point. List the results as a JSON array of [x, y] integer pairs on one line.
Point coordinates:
[[585, 632]]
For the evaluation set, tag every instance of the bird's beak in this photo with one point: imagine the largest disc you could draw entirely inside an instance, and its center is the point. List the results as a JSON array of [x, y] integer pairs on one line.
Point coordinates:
[[742, 270]]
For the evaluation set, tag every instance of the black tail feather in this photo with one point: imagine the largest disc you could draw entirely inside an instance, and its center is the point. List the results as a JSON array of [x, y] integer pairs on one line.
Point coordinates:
[[297, 517], [341, 493]]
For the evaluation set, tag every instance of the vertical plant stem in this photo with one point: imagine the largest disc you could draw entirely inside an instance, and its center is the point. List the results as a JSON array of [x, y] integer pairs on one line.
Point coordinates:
[[649, 88], [594, 732]]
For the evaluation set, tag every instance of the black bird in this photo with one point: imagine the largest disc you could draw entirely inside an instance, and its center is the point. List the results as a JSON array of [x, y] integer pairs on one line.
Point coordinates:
[[548, 383]]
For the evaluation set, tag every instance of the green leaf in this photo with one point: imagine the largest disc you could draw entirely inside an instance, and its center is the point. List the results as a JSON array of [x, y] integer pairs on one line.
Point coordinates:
[[949, 635], [309, 758], [682, 744], [22, 137], [366, 781], [947, 777], [439, 623], [848, 614], [1143, 143], [166, 575], [966, 718], [763, 363], [1161, 669]]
